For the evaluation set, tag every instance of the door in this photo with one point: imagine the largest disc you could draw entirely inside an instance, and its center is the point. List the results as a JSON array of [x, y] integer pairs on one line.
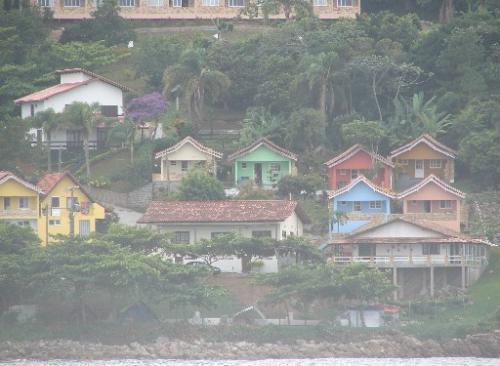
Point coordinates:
[[427, 206], [419, 168], [258, 173], [84, 228]]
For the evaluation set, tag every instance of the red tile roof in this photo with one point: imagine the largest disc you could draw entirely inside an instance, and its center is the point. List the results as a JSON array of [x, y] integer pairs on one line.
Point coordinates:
[[269, 144], [219, 211], [354, 150], [429, 141], [94, 75], [50, 180], [6, 175], [202, 148], [50, 91]]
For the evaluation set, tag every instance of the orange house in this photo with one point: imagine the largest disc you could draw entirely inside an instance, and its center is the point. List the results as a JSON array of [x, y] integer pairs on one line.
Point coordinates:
[[420, 158], [357, 161], [434, 200]]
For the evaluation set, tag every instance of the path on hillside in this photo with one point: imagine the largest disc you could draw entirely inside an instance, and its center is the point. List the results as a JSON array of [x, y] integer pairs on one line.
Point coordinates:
[[126, 216]]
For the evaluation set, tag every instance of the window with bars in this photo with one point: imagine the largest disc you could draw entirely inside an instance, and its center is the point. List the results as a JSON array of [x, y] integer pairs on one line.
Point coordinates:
[[435, 164], [445, 204], [344, 3], [72, 3], [375, 204], [126, 3], [181, 237], [210, 2], [177, 3], [237, 3]]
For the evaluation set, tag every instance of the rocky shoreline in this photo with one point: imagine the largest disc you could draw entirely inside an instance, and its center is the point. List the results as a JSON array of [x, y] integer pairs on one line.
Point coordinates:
[[399, 345]]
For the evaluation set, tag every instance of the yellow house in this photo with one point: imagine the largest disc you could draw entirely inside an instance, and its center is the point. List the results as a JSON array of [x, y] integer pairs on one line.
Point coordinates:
[[56, 205], [66, 208], [19, 201]]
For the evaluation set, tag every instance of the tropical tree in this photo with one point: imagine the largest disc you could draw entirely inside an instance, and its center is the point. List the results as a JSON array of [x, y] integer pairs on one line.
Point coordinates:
[[198, 83], [124, 133], [48, 120], [198, 185], [146, 108], [85, 117], [367, 133]]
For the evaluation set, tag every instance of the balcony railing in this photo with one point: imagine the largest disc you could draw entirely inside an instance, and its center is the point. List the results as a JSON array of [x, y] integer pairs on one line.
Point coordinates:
[[72, 145], [19, 213], [413, 261]]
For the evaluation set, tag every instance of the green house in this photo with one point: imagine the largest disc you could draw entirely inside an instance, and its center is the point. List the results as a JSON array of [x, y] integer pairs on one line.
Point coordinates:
[[263, 163]]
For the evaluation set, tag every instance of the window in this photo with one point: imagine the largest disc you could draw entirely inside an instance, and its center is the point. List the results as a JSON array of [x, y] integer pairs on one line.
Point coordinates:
[[435, 164], [71, 203], [45, 3], [184, 166], [54, 222], [274, 167], [445, 204], [72, 3], [354, 174], [155, 2], [177, 3], [24, 202], [343, 171], [344, 3], [210, 2], [403, 162], [340, 185], [216, 234], [357, 206], [261, 234], [236, 3], [126, 3], [173, 163], [6, 203], [375, 204], [343, 203], [430, 249], [22, 223], [109, 110], [244, 165], [319, 3], [181, 237], [54, 202]]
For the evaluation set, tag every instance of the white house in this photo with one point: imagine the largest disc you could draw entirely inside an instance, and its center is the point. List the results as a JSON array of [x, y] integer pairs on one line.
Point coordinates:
[[75, 85], [177, 160], [192, 221], [423, 256]]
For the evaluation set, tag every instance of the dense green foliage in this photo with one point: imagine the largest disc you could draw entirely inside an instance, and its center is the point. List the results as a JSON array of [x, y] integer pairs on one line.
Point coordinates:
[[197, 185]]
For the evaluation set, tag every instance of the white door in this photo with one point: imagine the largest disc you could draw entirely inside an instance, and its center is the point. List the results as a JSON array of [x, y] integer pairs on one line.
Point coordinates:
[[84, 228], [419, 168]]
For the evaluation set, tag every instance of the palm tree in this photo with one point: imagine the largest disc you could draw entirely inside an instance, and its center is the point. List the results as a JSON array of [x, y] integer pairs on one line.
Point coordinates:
[[48, 120], [427, 116], [85, 117], [197, 83], [124, 132]]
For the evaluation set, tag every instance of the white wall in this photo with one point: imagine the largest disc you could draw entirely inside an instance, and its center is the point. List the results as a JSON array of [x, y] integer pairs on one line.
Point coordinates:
[[400, 229], [292, 224], [96, 91], [74, 77]]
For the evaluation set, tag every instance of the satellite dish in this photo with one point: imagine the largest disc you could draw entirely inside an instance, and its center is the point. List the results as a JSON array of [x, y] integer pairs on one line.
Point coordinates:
[[130, 44]]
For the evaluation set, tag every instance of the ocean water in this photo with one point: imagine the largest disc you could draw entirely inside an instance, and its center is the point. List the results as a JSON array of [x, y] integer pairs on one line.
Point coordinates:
[[459, 361]]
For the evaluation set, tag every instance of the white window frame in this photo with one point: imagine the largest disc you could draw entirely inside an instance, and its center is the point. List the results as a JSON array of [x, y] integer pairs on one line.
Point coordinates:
[[177, 3], [210, 2], [274, 167], [232, 3], [54, 222], [343, 171], [435, 164], [180, 237], [445, 204], [126, 3], [72, 3], [46, 3], [356, 203], [375, 205], [320, 2], [345, 3], [25, 200], [155, 3]]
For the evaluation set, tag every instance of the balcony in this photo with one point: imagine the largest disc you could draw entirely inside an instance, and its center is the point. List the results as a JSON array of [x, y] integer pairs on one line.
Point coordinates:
[[414, 261], [20, 213]]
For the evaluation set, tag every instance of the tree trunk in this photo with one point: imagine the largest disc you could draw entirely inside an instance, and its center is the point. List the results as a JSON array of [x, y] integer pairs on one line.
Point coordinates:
[[375, 96], [49, 152], [446, 11], [87, 155], [322, 98]]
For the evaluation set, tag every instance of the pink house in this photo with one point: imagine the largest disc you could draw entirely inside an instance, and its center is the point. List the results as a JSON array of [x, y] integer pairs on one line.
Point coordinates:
[[435, 200], [357, 161]]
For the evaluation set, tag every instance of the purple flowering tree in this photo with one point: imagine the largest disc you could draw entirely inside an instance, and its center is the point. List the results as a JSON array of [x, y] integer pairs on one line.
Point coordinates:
[[146, 109]]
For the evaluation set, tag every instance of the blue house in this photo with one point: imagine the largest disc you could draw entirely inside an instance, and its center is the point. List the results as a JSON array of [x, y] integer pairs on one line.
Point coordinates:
[[357, 204]]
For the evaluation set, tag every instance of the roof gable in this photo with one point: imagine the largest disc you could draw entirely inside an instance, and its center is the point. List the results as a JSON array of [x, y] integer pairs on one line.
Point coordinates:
[[189, 140], [6, 176], [50, 180], [428, 140], [352, 151], [361, 180], [263, 142], [399, 228], [220, 211], [432, 179]]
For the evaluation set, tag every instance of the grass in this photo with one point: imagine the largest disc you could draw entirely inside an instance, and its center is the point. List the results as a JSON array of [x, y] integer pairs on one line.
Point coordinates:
[[105, 169]]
